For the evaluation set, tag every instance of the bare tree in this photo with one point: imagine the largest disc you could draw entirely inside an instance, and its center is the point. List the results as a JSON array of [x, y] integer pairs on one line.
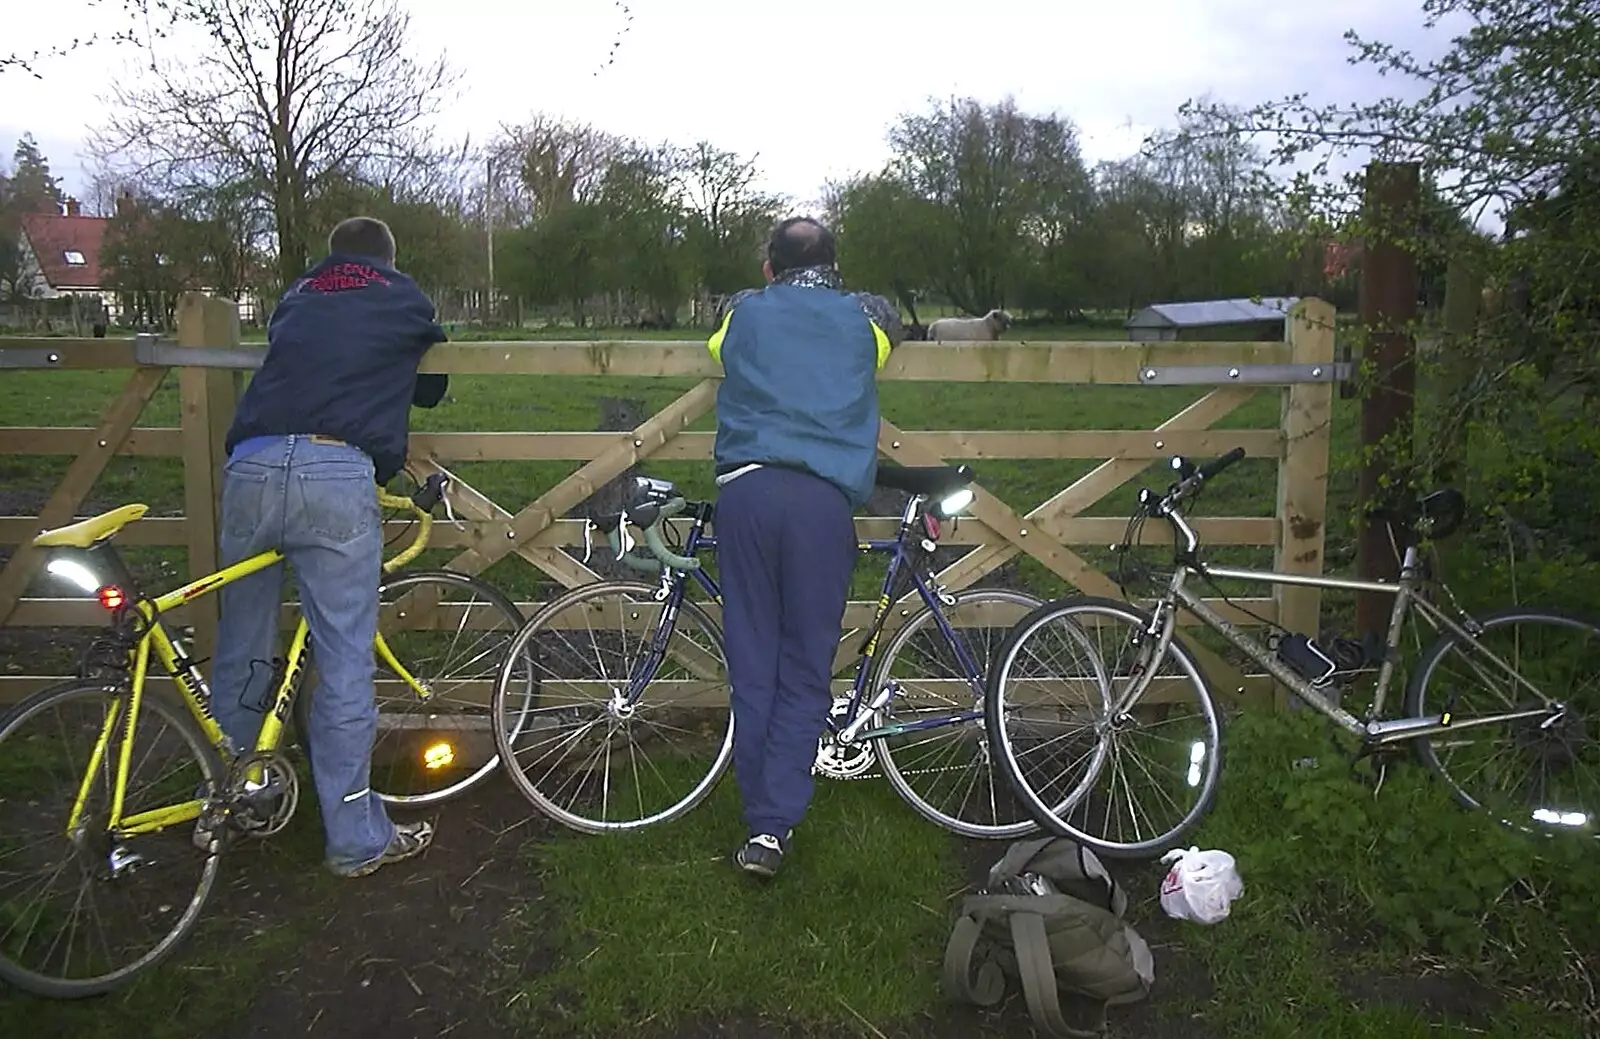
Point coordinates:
[[546, 163], [287, 94], [132, 25]]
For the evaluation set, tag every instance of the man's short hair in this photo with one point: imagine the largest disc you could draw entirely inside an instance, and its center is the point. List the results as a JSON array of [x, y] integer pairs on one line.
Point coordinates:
[[363, 236], [800, 242]]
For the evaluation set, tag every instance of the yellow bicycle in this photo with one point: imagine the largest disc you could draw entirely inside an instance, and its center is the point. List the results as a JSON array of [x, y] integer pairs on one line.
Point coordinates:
[[100, 878]]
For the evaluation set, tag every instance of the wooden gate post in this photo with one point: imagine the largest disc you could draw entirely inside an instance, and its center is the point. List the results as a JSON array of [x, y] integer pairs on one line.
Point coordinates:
[[1303, 475], [208, 397]]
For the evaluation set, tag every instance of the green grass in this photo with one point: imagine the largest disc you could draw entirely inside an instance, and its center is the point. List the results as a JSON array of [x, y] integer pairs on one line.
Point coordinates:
[[656, 928], [1349, 900], [1343, 885]]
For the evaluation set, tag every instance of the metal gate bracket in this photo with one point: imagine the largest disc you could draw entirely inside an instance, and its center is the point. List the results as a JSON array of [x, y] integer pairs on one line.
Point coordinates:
[[29, 357], [1256, 374], [150, 350]]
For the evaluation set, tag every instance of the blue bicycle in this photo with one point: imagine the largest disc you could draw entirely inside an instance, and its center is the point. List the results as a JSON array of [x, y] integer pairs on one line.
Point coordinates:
[[628, 721]]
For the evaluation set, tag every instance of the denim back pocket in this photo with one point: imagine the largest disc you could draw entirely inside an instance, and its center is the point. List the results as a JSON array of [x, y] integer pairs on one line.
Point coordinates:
[[244, 498], [334, 500]]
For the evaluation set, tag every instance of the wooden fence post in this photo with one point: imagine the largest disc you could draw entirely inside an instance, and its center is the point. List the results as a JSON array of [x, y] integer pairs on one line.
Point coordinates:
[[1303, 475], [208, 397]]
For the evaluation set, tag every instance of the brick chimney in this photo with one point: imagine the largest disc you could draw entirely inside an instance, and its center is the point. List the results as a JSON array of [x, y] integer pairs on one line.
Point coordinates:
[[124, 202], [72, 206]]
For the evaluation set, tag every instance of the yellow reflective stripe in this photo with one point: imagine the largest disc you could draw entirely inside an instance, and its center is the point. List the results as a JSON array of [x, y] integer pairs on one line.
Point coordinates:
[[882, 339], [714, 344]]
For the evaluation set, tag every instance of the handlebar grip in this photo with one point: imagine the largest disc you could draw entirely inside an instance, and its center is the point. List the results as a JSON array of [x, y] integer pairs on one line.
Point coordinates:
[[638, 560], [1216, 465], [652, 538], [428, 496], [659, 553]]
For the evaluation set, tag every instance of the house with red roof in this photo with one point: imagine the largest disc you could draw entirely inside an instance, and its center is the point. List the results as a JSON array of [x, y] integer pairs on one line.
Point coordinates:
[[61, 257]]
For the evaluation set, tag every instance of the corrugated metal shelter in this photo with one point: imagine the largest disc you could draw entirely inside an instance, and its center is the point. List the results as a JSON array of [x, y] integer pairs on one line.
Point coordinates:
[[1218, 319]]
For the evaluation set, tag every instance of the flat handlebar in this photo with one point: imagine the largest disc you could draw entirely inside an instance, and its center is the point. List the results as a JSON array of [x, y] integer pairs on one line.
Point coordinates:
[[1192, 479]]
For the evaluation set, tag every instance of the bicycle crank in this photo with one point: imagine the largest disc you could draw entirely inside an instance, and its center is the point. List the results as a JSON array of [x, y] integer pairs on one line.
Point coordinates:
[[840, 761], [263, 791]]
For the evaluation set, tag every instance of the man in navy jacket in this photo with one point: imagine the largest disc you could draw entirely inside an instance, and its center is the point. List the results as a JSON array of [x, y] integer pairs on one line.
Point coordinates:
[[796, 452], [322, 424]]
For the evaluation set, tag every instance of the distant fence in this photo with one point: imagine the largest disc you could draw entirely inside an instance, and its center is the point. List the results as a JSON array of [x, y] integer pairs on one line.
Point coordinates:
[[210, 363]]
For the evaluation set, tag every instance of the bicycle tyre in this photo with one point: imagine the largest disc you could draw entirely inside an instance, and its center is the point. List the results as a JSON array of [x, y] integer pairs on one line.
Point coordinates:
[[1072, 609], [892, 770], [483, 763], [212, 772], [1425, 747], [506, 731]]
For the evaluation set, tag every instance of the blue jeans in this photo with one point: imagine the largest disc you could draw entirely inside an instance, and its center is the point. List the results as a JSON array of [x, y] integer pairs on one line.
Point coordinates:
[[786, 547], [315, 502]]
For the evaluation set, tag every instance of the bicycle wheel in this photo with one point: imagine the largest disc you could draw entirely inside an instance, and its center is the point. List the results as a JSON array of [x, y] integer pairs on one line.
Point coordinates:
[[945, 772], [434, 743], [1534, 774], [573, 744], [1082, 772], [83, 913]]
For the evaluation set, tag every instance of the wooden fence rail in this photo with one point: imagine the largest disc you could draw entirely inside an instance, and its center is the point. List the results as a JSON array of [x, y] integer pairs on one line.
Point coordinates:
[[1300, 369]]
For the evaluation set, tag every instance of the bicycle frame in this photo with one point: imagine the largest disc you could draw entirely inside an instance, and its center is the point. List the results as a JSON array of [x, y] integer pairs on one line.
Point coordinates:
[[674, 584], [145, 615], [1373, 729]]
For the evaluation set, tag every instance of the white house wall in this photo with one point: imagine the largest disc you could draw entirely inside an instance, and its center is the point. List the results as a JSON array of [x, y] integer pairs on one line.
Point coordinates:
[[34, 284]]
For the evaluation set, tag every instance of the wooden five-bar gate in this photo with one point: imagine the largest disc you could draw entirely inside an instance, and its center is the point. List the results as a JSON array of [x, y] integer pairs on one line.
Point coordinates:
[[210, 363]]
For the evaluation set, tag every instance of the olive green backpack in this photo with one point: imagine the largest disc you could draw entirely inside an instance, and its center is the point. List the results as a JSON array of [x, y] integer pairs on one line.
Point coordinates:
[[1050, 917]]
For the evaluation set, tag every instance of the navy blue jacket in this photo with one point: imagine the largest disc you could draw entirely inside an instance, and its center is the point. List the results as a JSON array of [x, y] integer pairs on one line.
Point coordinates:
[[801, 358], [342, 353]]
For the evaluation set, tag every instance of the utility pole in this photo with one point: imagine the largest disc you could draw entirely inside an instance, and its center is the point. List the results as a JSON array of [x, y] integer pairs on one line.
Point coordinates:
[[488, 227]]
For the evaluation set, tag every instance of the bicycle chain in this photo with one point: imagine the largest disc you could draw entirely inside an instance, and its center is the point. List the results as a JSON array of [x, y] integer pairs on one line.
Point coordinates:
[[879, 774]]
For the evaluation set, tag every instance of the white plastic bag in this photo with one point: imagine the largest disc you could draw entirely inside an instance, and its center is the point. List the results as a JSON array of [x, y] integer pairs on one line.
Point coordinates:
[[1200, 885]]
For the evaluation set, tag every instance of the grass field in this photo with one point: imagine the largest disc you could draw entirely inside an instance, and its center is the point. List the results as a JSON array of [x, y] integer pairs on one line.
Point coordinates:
[[1366, 915]]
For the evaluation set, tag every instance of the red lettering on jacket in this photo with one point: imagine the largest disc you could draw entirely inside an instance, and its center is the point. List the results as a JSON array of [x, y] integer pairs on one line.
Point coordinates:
[[342, 277]]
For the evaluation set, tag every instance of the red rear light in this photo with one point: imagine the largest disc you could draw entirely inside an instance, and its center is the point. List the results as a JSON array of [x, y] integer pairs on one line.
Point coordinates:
[[930, 523], [111, 597]]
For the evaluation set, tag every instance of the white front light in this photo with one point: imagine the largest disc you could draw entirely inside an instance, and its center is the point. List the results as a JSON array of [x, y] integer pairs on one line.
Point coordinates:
[[1552, 817], [75, 572], [957, 501]]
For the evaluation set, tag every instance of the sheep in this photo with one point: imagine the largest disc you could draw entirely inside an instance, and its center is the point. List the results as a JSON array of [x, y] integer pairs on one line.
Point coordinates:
[[984, 329]]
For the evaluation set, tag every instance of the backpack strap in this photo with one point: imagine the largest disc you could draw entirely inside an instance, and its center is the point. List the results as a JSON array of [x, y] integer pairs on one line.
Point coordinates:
[[985, 987], [1037, 971]]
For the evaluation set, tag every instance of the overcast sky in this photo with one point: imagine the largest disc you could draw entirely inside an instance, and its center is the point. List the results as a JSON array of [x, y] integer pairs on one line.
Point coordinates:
[[809, 87]]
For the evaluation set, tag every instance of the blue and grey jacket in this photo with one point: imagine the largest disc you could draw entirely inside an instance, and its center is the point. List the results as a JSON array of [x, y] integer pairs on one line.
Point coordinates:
[[801, 358]]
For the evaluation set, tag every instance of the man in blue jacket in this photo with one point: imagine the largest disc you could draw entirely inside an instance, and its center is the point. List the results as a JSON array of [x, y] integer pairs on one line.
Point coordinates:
[[796, 452], [322, 424]]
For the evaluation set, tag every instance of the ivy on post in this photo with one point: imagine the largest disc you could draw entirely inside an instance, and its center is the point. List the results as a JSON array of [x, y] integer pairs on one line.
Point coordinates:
[[1388, 307], [207, 400]]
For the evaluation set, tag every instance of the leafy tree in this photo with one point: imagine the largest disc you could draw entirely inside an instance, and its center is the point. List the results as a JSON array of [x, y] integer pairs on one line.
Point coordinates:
[[646, 230], [729, 218], [1503, 121], [887, 239], [30, 187]]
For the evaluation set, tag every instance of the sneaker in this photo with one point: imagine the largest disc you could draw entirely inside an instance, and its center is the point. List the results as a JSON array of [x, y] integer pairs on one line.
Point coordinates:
[[761, 854], [409, 840], [209, 828]]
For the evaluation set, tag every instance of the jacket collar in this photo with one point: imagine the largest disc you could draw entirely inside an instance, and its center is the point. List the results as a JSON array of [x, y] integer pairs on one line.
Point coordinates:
[[811, 278]]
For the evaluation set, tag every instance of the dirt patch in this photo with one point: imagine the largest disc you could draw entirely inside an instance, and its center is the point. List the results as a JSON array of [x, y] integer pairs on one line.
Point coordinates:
[[1440, 995], [412, 950]]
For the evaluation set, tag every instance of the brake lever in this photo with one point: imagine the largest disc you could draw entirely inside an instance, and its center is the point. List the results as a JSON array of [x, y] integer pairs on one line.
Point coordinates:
[[449, 509]]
